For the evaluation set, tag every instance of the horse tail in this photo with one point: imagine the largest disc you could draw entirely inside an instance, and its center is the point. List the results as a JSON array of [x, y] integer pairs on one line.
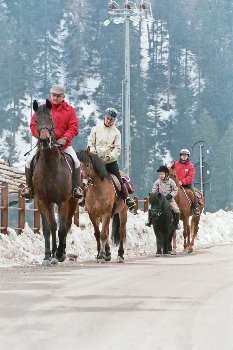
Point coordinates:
[[116, 229]]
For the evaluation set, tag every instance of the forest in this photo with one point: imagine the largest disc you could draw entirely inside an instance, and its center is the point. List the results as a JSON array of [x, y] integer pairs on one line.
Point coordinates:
[[181, 79]]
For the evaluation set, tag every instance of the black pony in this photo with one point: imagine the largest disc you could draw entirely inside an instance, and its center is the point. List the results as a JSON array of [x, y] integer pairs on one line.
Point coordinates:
[[163, 222]]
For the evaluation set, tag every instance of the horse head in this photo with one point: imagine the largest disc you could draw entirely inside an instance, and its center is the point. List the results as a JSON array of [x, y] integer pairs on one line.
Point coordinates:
[[44, 124], [156, 201], [92, 165], [172, 174]]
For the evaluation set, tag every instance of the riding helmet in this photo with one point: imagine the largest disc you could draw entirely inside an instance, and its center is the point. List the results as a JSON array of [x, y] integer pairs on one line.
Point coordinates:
[[111, 113], [163, 169], [184, 151]]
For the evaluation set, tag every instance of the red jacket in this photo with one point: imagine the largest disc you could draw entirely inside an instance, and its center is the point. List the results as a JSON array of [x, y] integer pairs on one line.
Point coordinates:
[[65, 122], [185, 172]]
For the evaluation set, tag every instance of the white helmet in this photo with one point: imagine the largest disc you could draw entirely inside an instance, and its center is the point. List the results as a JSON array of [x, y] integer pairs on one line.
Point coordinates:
[[184, 151]]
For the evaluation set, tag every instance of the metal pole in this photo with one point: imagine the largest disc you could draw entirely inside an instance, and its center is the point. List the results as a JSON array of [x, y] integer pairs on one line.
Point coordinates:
[[201, 168], [127, 96]]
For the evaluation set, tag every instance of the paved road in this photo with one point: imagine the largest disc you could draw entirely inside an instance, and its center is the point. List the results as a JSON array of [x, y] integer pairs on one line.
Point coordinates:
[[167, 303]]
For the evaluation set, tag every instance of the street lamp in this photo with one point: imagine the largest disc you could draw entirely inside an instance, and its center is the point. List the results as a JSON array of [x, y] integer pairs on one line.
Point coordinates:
[[118, 14]]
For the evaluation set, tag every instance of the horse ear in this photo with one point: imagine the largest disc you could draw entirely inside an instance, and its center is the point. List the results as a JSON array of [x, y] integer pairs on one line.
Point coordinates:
[[35, 105], [48, 104], [88, 151]]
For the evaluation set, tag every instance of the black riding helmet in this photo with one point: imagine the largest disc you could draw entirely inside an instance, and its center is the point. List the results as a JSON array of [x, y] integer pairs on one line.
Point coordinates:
[[163, 169], [111, 113]]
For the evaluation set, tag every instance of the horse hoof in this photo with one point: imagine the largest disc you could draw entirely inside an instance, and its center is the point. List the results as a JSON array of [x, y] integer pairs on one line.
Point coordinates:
[[171, 252], [108, 257], [190, 250], [46, 262], [158, 254], [120, 259], [101, 260], [62, 258], [54, 261]]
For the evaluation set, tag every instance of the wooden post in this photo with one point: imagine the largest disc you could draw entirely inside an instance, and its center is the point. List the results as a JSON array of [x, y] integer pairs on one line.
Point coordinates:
[[36, 218], [145, 204], [76, 216], [135, 209], [4, 205], [21, 212]]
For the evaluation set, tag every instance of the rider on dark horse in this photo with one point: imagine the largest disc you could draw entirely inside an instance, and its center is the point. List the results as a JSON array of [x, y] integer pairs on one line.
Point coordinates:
[[105, 140], [65, 128], [185, 172], [169, 189]]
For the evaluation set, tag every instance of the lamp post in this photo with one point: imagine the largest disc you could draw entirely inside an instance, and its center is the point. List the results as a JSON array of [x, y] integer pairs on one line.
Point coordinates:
[[124, 14]]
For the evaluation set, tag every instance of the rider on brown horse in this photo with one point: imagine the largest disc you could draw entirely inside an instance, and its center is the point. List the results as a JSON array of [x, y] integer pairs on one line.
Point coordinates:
[[105, 140], [168, 188], [185, 172], [65, 128]]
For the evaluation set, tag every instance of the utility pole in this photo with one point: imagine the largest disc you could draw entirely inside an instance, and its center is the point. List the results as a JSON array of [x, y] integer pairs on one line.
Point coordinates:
[[118, 15]]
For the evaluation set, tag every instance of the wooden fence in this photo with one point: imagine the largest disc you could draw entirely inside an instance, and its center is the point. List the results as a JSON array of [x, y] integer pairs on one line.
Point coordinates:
[[22, 208]]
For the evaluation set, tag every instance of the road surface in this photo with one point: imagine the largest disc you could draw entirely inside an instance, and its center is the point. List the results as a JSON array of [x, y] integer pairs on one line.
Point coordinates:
[[165, 303]]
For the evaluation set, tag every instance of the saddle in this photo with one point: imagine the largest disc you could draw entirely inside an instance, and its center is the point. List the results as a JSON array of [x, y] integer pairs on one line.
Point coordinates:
[[126, 181], [67, 157], [190, 197]]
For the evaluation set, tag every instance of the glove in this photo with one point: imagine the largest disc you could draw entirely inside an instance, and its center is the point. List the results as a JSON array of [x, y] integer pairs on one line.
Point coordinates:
[[62, 141], [105, 159], [169, 196]]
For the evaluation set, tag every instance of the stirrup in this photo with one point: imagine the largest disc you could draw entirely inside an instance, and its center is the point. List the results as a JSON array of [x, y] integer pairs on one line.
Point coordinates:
[[196, 212], [78, 193], [26, 192]]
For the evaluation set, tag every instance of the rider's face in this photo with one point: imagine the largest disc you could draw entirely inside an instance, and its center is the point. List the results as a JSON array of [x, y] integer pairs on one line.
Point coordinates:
[[162, 175], [108, 121], [184, 156], [57, 98]]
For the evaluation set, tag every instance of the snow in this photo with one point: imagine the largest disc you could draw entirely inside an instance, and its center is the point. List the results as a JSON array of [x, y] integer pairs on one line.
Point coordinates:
[[27, 249]]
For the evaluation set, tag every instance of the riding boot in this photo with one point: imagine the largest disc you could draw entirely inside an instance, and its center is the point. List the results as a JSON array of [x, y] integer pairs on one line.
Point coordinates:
[[149, 222], [195, 206], [76, 183], [125, 195], [27, 191], [177, 221]]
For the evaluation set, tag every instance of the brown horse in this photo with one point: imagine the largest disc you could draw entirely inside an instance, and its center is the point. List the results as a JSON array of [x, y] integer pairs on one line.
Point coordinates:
[[186, 210], [52, 181], [102, 203]]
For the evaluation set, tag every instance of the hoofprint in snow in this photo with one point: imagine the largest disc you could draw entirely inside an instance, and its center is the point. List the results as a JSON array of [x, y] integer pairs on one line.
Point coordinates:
[[28, 248]]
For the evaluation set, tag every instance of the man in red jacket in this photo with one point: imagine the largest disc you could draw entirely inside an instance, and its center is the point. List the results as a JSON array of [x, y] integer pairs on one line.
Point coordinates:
[[185, 172], [66, 128]]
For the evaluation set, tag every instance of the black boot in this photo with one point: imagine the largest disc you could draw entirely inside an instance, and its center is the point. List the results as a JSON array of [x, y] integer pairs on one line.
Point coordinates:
[[76, 183], [125, 195], [149, 222], [28, 191], [177, 221]]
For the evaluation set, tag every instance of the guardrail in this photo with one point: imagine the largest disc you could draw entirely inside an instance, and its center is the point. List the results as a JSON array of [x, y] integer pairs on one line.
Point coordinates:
[[22, 209], [137, 201]]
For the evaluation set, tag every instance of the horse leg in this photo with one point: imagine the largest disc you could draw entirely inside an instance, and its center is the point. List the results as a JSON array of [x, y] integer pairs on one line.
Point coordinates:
[[194, 228], [95, 223], [49, 225], [104, 235], [62, 231], [107, 251], [122, 233], [174, 242]]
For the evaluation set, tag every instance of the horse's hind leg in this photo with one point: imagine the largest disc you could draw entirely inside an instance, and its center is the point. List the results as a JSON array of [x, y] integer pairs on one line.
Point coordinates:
[[64, 226], [104, 235], [95, 223], [122, 229]]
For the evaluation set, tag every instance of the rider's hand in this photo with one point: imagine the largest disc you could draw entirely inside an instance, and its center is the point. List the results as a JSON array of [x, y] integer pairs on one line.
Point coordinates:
[[105, 159], [62, 141], [169, 196], [180, 183]]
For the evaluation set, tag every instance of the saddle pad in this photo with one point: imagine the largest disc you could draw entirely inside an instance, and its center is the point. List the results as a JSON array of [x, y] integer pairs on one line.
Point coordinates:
[[200, 198], [116, 183], [128, 184]]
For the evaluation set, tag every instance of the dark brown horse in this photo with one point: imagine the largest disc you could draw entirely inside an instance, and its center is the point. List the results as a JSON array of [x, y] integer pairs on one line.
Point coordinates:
[[186, 210], [102, 203], [52, 180]]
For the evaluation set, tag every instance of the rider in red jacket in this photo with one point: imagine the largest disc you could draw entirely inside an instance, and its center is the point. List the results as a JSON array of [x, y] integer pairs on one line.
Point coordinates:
[[185, 172], [65, 128]]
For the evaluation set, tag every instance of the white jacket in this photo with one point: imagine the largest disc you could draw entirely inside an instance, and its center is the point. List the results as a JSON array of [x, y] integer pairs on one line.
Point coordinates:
[[105, 141]]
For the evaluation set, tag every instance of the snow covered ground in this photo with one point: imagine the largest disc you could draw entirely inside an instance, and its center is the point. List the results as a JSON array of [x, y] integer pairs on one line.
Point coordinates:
[[28, 248]]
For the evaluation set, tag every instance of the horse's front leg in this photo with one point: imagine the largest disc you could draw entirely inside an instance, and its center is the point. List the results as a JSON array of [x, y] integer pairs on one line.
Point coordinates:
[[64, 226], [122, 233], [104, 235], [46, 234], [96, 223]]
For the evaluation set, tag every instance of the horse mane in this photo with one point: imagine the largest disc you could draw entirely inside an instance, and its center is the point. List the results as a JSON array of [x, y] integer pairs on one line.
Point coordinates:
[[154, 196], [97, 163]]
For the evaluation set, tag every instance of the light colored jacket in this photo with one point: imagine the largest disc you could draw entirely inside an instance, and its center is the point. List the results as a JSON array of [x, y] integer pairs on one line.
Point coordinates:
[[165, 187], [105, 141]]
